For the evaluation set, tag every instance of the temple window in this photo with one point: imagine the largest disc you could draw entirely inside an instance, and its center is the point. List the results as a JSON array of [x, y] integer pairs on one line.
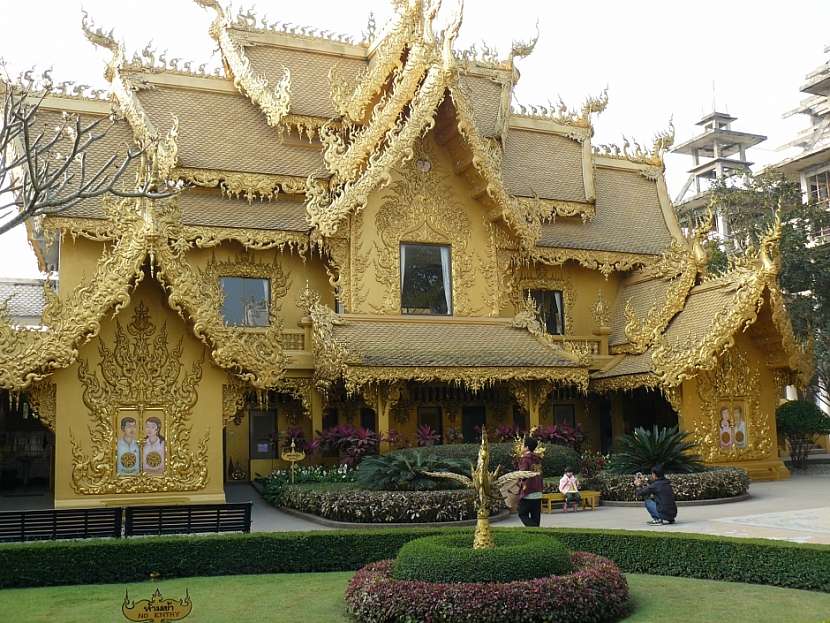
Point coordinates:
[[551, 307], [426, 279], [564, 415], [245, 301]]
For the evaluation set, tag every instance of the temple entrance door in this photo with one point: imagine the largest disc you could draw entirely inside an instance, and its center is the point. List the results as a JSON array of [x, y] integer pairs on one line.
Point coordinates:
[[473, 419], [237, 450], [27, 458]]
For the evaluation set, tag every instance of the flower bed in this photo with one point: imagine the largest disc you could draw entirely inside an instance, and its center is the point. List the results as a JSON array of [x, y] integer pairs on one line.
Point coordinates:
[[711, 484], [340, 503], [595, 591], [451, 558]]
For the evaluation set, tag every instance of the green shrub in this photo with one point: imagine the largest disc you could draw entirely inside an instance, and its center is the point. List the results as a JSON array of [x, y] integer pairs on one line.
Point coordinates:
[[712, 484], [101, 561], [556, 458], [403, 471], [274, 484], [340, 503], [643, 449], [451, 558], [800, 421]]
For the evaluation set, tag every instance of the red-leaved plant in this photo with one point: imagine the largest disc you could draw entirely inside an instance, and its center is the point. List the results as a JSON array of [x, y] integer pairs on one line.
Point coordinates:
[[427, 436]]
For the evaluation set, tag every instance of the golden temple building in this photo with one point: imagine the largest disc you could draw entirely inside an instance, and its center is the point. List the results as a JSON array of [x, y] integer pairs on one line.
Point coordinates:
[[369, 234]]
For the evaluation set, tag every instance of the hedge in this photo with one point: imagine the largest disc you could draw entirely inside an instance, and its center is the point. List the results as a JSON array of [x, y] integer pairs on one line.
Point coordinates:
[[757, 561], [341, 503], [595, 592], [714, 483], [556, 460], [451, 558]]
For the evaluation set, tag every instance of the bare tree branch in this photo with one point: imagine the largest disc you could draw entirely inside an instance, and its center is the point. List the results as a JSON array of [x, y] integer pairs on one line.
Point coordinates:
[[48, 171]]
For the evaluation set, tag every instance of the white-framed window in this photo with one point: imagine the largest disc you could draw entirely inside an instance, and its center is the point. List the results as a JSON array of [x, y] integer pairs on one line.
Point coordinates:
[[426, 279], [245, 301], [817, 187]]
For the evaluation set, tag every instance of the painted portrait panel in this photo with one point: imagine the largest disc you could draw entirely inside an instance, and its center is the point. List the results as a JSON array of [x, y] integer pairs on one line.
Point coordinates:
[[154, 450], [127, 451]]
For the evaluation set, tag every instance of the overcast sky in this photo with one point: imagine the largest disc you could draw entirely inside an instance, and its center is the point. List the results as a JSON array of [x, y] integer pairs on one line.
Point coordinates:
[[659, 59]]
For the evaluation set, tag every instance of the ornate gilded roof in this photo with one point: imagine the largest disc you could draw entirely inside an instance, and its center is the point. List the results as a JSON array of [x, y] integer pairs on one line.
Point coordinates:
[[543, 164]]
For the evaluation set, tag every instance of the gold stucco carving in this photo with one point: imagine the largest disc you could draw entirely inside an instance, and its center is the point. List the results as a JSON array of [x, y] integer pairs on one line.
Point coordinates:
[[473, 378], [245, 184], [139, 372], [42, 398], [606, 262], [330, 356], [415, 209], [233, 400], [254, 354], [632, 151], [274, 103], [734, 383], [628, 382], [545, 278]]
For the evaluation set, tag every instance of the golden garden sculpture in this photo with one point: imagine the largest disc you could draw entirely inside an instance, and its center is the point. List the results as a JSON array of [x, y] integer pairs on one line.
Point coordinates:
[[487, 485]]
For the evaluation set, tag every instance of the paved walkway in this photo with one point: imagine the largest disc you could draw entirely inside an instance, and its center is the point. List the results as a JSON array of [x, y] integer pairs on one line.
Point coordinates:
[[795, 510]]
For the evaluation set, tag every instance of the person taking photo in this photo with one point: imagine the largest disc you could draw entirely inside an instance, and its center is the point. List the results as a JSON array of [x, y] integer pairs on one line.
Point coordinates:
[[658, 495]]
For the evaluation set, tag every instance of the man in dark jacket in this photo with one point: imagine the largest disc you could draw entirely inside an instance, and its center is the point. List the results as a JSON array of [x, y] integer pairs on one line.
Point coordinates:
[[658, 495], [530, 494]]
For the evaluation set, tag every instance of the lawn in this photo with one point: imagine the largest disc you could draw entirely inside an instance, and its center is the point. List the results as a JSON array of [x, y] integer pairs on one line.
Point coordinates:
[[313, 597]]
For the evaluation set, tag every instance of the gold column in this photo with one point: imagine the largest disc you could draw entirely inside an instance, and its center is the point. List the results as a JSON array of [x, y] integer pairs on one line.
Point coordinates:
[[317, 403]]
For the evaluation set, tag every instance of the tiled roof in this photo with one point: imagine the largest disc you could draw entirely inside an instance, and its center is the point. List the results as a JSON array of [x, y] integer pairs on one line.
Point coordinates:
[[630, 364], [702, 305], [444, 344], [643, 295], [543, 164], [226, 131], [209, 208], [628, 218], [310, 86], [24, 297], [485, 97]]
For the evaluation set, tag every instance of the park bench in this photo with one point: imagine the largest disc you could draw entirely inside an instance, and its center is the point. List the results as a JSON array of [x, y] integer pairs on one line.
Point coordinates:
[[589, 499], [47, 525], [187, 519]]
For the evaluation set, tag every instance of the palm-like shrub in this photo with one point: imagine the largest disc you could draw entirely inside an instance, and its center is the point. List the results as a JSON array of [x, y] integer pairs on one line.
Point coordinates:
[[643, 449], [403, 471]]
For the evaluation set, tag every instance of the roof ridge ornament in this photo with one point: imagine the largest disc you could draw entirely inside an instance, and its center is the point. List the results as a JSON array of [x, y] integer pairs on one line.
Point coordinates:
[[634, 152], [276, 102], [163, 152]]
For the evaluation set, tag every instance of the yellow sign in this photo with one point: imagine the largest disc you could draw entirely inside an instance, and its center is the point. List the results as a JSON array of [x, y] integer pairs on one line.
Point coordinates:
[[157, 608]]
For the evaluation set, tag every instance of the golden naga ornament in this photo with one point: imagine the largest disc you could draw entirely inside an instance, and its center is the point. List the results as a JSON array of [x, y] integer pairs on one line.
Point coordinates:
[[293, 456], [487, 486]]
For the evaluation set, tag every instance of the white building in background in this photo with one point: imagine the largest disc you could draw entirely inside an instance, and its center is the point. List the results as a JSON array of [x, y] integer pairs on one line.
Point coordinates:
[[717, 152], [811, 164]]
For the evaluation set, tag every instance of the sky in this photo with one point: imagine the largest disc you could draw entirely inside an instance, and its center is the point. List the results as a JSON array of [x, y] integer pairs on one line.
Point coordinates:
[[660, 60]]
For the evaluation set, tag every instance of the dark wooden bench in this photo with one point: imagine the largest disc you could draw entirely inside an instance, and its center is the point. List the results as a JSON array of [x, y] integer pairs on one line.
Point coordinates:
[[187, 519], [46, 525]]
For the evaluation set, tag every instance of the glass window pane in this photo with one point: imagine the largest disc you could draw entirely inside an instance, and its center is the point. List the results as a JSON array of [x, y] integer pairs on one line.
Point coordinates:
[[551, 310], [426, 279], [245, 301]]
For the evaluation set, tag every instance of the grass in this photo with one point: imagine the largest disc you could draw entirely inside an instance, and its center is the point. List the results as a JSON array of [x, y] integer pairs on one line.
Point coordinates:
[[312, 597]]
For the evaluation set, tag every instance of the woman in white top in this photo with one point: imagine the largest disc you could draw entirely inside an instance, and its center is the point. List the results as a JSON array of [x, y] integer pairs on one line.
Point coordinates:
[[569, 487], [153, 450]]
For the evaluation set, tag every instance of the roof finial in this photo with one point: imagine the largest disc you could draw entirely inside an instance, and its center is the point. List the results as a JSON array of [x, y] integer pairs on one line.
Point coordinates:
[[521, 49]]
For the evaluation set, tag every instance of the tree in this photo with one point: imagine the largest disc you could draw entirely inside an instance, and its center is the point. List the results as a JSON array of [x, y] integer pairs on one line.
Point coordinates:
[[749, 205], [800, 421], [44, 172]]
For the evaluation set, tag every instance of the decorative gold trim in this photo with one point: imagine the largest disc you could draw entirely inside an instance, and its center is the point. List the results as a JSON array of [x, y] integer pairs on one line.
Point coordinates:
[[233, 400], [473, 378], [248, 185], [607, 262], [199, 236], [548, 208], [139, 372], [42, 398], [628, 382], [652, 157], [253, 354], [330, 356], [274, 103], [735, 380], [544, 278], [163, 152]]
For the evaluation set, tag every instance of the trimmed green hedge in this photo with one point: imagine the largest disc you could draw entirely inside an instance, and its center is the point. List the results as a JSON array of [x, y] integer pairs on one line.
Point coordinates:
[[711, 484], [757, 561], [556, 460], [451, 558]]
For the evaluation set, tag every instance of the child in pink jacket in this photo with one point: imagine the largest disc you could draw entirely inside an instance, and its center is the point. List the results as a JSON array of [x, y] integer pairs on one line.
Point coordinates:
[[569, 487]]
